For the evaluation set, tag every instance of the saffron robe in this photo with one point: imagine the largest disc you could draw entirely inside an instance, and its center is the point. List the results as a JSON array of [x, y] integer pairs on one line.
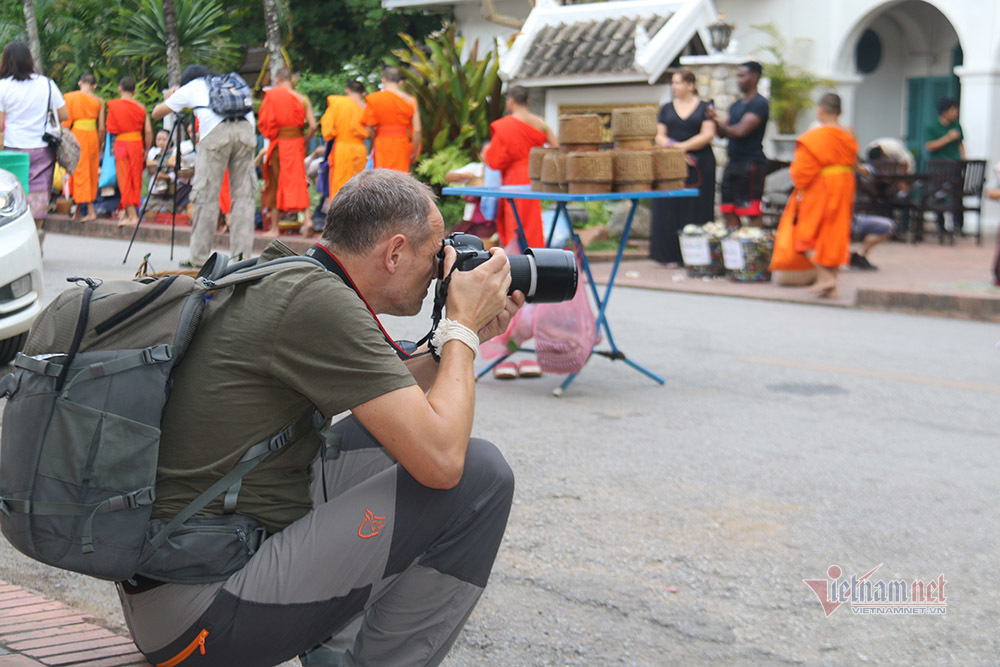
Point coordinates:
[[393, 118], [818, 214], [282, 115], [126, 119], [83, 180], [512, 140], [342, 123]]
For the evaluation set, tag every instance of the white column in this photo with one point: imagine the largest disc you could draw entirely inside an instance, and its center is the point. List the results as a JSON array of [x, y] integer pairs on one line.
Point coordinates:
[[980, 118]]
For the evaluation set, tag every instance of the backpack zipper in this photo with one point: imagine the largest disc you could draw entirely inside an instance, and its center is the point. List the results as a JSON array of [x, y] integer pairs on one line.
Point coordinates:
[[198, 643], [123, 315]]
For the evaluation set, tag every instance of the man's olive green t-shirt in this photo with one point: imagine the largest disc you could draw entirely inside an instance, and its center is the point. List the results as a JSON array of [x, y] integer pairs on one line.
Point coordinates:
[[265, 353], [935, 130]]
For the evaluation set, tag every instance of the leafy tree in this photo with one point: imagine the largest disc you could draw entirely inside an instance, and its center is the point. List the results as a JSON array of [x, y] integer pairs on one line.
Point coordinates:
[[458, 99], [202, 34], [791, 86], [328, 35]]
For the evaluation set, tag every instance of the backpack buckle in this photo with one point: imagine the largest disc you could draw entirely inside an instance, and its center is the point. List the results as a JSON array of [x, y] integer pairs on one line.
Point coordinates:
[[157, 354], [280, 440]]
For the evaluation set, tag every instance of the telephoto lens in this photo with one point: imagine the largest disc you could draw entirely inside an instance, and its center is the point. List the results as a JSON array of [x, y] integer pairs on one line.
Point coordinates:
[[545, 275]]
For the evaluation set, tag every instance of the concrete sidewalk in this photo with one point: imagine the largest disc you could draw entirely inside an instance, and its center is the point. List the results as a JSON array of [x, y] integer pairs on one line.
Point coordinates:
[[925, 278]]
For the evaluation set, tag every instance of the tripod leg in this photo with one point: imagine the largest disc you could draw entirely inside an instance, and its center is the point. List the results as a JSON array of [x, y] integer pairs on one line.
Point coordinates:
[[152, 182]]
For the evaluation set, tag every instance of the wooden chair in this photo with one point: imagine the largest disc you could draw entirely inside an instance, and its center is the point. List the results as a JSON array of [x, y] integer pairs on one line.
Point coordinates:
[[947, 185]]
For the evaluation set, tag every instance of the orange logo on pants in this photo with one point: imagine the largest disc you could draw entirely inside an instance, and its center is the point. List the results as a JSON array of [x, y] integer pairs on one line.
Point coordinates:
[[371, 526]]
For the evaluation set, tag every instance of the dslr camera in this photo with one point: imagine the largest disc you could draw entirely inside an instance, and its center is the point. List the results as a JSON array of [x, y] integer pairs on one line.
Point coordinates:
[[545, 275]]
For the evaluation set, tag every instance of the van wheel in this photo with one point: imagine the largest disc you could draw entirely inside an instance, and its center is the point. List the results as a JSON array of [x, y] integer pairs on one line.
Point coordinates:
[[11, 346]]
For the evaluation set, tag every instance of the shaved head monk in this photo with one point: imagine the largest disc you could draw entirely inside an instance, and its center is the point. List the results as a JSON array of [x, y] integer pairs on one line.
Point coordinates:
[[129, 122], [393, 119], [815, 229], [342, 124], [86, 121], [283, 113], [514, 136]]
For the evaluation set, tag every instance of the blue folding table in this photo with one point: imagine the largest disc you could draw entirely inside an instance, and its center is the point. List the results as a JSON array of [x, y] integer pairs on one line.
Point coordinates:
[[512, 192]]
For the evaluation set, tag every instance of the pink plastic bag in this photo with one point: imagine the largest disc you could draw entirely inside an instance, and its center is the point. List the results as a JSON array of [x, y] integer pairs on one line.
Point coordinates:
[[565, 333], [519, 330]]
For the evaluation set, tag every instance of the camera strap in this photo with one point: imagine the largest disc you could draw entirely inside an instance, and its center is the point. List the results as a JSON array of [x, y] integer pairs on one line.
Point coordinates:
[[440, 297], [321, 254]]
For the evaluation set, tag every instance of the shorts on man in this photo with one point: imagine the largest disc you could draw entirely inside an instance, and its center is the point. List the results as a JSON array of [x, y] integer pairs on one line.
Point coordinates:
[[742, 188]]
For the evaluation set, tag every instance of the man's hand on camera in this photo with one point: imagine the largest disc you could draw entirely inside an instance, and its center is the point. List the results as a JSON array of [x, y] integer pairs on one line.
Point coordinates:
[[477, 297], [499, 323]]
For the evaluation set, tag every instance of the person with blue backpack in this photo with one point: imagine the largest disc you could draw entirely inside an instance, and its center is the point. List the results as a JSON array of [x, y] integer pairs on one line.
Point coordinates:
[[223, 107]]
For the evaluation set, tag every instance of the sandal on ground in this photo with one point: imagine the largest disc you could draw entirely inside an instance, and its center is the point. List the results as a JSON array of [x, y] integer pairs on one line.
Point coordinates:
[[529, 368], [505, 370]]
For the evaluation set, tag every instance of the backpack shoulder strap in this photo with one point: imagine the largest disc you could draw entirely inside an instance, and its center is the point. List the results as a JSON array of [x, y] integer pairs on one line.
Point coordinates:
[[258, 271]]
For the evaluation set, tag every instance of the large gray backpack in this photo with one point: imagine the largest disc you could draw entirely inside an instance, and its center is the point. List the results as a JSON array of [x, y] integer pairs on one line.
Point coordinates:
[[81, 432]]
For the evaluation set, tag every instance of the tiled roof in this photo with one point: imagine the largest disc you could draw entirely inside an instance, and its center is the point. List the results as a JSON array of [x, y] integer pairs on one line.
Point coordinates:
[[587, 47]]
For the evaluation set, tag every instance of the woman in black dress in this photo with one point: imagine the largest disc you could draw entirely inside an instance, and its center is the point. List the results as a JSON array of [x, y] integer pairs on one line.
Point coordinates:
[[682, 123]]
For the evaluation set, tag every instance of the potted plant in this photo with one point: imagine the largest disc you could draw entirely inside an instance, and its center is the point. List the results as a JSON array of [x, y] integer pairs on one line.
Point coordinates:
[[791, 90]]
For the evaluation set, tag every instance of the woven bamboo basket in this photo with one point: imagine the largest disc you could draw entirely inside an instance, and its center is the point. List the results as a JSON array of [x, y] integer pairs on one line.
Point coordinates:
[[633, 128], [579, 132], [553, 172], [535, 158], [669, 169], [589, 172], [633, 170]]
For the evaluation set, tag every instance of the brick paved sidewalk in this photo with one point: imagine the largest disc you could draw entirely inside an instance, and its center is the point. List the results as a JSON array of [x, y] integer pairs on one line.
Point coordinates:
[[35, 630]]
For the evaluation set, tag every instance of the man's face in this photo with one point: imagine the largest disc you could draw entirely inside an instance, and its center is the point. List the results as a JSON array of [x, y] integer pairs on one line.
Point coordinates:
[[745, 79], [418, 268], [950, 115]]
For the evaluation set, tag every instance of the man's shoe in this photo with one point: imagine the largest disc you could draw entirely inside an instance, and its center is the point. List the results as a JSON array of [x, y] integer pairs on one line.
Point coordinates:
[[861, 262]]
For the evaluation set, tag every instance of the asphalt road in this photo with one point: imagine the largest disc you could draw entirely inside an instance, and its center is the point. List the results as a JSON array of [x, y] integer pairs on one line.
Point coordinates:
[[676, 523]]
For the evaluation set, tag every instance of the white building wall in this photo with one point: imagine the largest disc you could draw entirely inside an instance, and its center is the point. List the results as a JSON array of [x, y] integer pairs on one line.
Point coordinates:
[[822, 38], [472, 25]]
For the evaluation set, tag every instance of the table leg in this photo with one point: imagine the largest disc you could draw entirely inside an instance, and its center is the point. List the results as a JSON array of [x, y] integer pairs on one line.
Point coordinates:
[[602, 304], [521, 238]]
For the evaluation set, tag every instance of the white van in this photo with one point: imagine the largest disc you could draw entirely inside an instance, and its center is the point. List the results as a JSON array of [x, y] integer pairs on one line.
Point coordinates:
[[20, 267]]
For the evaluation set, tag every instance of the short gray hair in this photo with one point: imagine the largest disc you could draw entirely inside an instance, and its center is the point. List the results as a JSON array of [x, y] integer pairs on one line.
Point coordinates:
[[374, 203]]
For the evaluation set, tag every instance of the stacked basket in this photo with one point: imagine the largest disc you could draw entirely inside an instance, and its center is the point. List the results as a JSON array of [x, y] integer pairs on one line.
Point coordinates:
[[669, 169], [589, 172], [579, 132], [633, 171], [633, 128], [553, 173], [535, 160]]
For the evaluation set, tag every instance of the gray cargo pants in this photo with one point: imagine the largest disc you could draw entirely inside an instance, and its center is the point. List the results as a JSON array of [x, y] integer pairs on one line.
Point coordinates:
[[405, 562], [230, 145]]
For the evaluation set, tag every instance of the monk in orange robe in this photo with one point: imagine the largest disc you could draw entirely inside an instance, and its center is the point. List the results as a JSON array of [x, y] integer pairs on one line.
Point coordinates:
[[815, 228], [283, 113], [129, 122], [86, 121], [514, 136], [342, 123], [393, 120]]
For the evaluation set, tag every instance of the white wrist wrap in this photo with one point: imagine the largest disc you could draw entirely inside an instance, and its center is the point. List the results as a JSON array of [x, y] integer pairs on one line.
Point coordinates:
[[451, 330]]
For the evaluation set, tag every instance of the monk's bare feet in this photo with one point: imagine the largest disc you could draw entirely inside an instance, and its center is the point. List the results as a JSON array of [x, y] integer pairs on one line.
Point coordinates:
[[307, 230], [90, 216], [826, 293]]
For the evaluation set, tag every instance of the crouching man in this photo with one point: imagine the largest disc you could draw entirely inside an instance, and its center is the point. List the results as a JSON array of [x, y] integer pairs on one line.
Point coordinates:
[[382, 544]]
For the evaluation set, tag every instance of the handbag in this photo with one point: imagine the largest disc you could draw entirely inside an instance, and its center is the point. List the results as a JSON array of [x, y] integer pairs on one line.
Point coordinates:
[[108, 177], [64, 144]]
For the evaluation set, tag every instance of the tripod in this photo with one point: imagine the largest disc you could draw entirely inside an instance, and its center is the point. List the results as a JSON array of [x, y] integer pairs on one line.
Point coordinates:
[[175, 130]]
